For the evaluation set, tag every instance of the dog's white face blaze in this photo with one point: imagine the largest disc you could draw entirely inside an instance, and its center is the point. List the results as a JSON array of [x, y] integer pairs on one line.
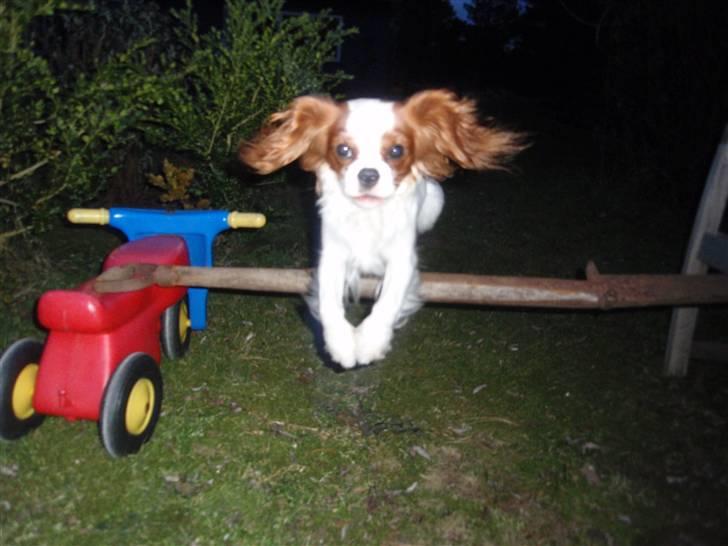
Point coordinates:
[[367, 123]]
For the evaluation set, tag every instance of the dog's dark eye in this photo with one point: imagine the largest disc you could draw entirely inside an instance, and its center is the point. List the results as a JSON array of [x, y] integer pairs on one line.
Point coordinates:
[[342, 150], [395, 152]]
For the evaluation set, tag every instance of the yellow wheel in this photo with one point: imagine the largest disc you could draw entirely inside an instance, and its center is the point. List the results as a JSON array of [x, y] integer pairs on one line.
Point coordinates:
[[131, 405], [22, 399], [18, 371], [176, 330], [184, 322], [140, 407]]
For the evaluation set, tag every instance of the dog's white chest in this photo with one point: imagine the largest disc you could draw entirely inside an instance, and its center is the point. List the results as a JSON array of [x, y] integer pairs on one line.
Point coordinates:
[[368, 237]]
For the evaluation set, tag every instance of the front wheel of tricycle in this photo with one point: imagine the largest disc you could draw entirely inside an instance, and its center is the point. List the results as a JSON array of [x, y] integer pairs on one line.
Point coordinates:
[[176, 331], [131, 405], [18, 369]]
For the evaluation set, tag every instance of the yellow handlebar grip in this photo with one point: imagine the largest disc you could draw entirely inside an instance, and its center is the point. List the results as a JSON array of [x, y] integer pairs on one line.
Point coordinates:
[[88, 216], [246, 220]]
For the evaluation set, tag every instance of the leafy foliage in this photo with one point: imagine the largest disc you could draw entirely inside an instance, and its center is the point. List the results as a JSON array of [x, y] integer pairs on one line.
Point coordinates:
[[175, 183], [85, 86], [62, 134], [25, 106], [229, 79]]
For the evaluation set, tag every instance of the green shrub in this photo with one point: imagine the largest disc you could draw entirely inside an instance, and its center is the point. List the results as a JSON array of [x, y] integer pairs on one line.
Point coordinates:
[[142, 80], [230, 79], [27, 94], [61, 135]]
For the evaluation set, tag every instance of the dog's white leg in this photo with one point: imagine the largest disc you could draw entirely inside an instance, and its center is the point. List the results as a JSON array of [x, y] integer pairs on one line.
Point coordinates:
[[374, 334], [338, 332]]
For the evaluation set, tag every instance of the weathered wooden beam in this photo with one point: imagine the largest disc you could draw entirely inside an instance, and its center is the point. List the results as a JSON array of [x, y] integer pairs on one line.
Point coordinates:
[[597, 291]]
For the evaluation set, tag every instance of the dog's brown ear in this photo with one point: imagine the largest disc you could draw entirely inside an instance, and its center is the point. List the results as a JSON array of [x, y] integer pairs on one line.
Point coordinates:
[[447, 133], [292, 133]]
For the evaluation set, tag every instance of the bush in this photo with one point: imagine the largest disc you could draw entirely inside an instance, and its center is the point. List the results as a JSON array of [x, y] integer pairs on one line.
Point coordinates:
[[230, 79], [139, 78], [62, 133], [27, 94]]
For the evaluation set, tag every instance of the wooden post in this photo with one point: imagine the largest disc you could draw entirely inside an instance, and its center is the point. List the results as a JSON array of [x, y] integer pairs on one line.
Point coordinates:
[[707, 221], [597, 291]]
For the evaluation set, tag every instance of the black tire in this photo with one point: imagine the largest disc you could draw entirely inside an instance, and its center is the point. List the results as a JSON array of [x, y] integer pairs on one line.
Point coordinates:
[[131, 405], [176, 332], [18, 367]]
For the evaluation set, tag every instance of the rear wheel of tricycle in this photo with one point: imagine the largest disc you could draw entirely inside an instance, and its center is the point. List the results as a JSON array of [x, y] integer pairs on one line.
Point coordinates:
[[131, 405], [176, 331], [18, 370]]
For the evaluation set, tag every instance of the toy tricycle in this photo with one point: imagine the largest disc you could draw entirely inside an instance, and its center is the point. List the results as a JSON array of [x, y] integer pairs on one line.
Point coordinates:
[[100, 360]]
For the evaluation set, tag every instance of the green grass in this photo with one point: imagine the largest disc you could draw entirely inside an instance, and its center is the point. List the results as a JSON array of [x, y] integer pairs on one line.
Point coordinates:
[[483, 426]]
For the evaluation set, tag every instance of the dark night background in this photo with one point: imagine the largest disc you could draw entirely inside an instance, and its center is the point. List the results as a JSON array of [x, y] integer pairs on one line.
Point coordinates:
[[646, 81]]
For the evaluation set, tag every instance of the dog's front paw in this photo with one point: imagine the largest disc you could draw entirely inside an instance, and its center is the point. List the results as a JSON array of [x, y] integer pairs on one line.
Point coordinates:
[[373, 341], [340, 344]]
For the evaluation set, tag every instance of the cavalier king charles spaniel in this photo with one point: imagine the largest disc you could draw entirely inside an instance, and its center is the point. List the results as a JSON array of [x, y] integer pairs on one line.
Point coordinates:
[[378, 165]]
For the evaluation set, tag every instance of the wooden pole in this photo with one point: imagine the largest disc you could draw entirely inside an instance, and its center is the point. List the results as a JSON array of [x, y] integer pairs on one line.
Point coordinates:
[[595, 292]]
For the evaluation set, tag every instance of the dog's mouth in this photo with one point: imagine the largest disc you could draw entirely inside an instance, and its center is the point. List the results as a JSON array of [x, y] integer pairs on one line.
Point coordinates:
[[368, 200]]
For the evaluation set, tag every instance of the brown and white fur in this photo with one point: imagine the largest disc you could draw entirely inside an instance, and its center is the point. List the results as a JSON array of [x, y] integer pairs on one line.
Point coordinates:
[[378, 165]]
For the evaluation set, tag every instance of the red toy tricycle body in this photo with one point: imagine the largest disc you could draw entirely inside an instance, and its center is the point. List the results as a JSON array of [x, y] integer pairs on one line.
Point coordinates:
[[90, 334]]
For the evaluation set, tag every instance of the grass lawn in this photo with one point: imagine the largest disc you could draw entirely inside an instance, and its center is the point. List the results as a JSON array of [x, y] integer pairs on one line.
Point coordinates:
[[483, 426]]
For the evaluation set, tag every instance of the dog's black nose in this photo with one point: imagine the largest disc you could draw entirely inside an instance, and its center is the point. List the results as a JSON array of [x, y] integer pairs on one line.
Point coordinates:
[[368, 178]]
